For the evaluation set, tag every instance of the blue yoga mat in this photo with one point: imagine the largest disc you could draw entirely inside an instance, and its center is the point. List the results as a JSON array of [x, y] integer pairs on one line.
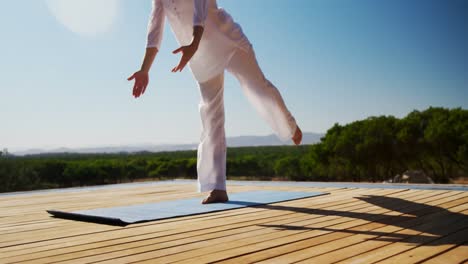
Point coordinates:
[[124, 215]]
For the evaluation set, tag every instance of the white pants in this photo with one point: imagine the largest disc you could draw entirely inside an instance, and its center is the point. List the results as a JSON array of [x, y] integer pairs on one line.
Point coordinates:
[[265, 97]]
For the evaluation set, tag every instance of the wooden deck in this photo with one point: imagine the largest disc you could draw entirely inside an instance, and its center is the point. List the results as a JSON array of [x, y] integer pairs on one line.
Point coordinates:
[[351, 225]]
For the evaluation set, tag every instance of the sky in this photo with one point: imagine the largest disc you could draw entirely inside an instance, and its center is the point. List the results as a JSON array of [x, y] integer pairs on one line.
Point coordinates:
[[64, 65]]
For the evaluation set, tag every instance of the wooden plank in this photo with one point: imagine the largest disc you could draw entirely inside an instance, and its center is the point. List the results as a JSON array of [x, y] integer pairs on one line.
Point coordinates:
[[209, 257], [91, 202], [181, 235], [361, 253], [457, 254], [72, 227], [51, 198], [167, 254], [358, 241], [210, 223], [96, 200], [87, 237], [426, 251], [288, 248], [221, 214], [45, 214], [201, 245], [305, 251], [379, 250], [79, 202], [39, 213]]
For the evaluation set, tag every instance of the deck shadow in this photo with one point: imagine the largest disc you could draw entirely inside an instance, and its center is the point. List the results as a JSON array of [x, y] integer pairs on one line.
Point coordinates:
[[432, 222]]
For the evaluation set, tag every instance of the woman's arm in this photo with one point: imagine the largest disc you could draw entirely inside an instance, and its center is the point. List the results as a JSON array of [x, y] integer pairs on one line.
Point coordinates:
[[156, 25], [142, 76], [150, 54], [154, 38]]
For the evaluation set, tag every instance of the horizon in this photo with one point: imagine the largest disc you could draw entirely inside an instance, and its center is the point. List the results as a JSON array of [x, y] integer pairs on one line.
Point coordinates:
[[148, 145], [333, 62]]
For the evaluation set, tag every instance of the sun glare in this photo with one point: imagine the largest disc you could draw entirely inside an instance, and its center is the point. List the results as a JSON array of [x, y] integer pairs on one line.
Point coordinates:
[[85, 17]]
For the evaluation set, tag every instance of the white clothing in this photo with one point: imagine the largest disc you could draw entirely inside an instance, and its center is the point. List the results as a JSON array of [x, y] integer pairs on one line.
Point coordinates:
[[211, 162], [223, 46], [221, 35], [211, 158]]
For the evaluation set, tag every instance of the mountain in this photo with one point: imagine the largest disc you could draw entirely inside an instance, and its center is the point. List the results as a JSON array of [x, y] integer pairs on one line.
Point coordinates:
[[241, 141], [270, 140]]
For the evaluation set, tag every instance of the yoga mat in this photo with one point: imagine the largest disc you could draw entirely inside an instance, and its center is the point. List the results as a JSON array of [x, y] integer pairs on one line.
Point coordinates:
[[124, 215]]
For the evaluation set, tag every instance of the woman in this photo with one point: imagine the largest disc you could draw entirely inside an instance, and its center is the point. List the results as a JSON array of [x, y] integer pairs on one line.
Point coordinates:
[[212, 43]]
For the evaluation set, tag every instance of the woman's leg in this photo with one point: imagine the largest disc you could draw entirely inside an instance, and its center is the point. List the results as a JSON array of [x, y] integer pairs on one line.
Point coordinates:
[[211, 163], [263, 95]]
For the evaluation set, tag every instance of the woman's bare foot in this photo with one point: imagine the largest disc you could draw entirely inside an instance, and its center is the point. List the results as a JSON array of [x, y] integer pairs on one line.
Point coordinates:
[[216, 196], [297, 137]]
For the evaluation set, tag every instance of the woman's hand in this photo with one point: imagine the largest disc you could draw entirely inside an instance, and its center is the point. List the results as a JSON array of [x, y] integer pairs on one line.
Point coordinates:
[[189, 51], [141, 82], [141, 77], [187, 54]]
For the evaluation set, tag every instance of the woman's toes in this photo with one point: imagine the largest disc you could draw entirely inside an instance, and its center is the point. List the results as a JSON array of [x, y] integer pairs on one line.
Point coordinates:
[[297, 138]]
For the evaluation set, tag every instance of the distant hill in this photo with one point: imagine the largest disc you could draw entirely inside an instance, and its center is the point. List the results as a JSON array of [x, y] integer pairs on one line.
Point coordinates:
[[241, 141], [270, 140]]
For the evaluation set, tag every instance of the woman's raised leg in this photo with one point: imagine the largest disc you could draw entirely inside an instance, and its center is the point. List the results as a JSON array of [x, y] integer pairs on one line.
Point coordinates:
[[263, 95]]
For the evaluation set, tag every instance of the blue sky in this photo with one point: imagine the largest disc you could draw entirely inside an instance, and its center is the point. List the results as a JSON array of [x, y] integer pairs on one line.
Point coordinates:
[[332, 60]]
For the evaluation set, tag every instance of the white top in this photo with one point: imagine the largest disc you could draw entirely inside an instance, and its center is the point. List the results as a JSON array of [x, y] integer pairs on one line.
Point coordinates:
[[221, 35]]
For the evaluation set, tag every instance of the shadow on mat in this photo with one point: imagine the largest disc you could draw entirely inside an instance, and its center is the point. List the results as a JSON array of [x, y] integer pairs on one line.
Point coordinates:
[[435, 222]]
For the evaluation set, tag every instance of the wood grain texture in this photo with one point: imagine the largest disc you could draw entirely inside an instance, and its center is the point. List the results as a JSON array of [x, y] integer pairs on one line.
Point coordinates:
[[351, 225]]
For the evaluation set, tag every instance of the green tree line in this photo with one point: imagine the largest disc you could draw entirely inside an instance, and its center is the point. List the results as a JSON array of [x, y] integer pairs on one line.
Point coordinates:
[[375, 149]]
